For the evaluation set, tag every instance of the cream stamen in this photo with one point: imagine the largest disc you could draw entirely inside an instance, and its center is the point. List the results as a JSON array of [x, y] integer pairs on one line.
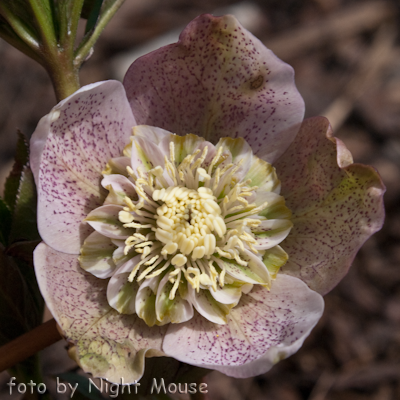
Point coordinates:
[[185, 227]]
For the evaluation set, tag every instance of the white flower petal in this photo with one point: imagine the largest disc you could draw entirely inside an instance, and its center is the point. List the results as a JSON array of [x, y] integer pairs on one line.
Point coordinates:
[[255, 272], [207, 306], [241, 153], [105, 220], [266, 327], [177, 310], [271, 232], [69, 149], [121, 186], [151, 133], [97, 255], [109, 345], [229, 294], [121, 294], [146, 301]]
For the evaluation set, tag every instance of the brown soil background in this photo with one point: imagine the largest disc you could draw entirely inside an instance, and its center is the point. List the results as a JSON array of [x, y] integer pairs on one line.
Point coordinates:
[[346, 56]]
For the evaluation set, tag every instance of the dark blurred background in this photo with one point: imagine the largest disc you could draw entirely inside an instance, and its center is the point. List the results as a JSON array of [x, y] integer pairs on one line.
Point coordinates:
[[346, 55]]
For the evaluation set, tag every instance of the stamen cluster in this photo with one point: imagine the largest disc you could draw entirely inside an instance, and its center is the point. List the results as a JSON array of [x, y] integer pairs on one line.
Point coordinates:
[[189, 224], [189, 230]]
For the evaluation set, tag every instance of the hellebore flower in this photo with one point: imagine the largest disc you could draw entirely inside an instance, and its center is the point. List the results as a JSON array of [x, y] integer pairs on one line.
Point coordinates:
[[211, 244]]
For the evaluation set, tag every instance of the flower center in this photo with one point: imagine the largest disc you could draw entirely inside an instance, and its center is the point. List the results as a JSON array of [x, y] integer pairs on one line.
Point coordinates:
[[185, 222], [189, 225], [196, 230]]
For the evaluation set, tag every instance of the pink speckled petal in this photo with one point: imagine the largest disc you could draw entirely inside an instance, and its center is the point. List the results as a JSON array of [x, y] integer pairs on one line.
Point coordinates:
[[218, 81], [336, 205], [264, 328], [69, 149], [110, 345]]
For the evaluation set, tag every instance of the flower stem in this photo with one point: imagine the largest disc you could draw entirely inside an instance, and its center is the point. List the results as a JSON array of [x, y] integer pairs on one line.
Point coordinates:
[[28, 344], [64, 76]]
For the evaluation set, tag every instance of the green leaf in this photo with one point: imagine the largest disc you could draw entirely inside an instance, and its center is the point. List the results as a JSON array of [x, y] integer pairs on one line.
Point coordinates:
[[56, 9], [19, 17], [28, 274], [5, 222], [107, 11], [93, 15], [21, 309], [30, 369], [24, 225], [83, 385], [88, 6], [42, 16], [21, 305], [171, 370], [13, 181], [28, 47], [66, 15], [23, 250]]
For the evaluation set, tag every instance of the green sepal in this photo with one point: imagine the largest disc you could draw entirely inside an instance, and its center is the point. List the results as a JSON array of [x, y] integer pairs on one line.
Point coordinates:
[[167, 310], [276, 210], [126, 295]]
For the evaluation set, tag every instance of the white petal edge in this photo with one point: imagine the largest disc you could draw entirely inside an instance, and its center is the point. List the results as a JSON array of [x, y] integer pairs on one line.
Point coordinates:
[[87, 320], [220, 347], [69, 149]]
